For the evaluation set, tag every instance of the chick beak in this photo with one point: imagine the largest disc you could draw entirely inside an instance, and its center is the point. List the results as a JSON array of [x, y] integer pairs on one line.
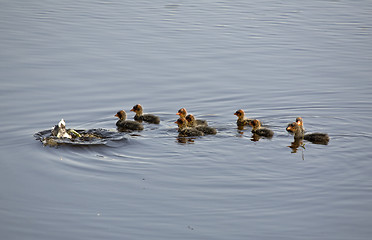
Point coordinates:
[[178, 113], [132, 110], [116, 115]]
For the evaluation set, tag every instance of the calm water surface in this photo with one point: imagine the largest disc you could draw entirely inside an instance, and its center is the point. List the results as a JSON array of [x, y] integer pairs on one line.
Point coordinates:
[[85, 60]]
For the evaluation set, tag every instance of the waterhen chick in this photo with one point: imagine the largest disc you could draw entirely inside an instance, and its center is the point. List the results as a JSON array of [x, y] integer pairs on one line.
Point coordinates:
[[185, 131], [317, 138], [150, 118], [205, 129], [199, 122], [261, 131], [300, 123], [242, 120], [124, 124]]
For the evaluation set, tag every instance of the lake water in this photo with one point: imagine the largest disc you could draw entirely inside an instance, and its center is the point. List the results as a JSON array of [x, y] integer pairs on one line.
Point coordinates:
[[85, 60]]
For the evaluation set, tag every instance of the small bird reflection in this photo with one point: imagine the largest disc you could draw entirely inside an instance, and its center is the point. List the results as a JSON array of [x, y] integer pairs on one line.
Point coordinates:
[[254, 138], [240, 131], [297, 142], [184, 140]]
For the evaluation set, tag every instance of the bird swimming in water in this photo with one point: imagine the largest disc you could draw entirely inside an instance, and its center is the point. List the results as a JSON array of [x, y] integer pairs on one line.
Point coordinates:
[[183, 112], [205, 129], [150, 118], [124, 124], [318, 138], [242, 120], [261, 131], [185, 131]]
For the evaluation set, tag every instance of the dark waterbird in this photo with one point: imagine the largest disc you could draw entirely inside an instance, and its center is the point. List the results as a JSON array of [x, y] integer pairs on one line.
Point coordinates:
[[124, 125], [150, 118]]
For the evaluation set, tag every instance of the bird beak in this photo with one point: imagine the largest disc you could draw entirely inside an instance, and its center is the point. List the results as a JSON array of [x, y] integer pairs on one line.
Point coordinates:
[[235, 114], [178, 113], [116, 115], [132, 110]]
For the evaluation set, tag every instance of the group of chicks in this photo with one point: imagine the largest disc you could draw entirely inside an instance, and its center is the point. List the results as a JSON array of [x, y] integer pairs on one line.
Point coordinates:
[[296, 128], [188, 126], [125, 124]]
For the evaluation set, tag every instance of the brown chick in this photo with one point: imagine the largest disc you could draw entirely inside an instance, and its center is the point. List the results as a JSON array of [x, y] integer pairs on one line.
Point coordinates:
[[242, 120], [182, 113], [150, 118], [261, 131], [191, 122], [317, 138], [124, 124], [185, 131]]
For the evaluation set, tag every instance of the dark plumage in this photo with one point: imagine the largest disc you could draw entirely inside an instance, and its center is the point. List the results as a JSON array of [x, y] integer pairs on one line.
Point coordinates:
[[261, 131], [185, 131], [317, 138], [242, 120], [150, 118], [191, 122], [190, 132], [201, 123], [182, 113], [124, 124], [206, 130]]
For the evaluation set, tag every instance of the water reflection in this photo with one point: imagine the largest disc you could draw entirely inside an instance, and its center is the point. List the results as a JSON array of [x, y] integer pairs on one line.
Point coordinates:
[[255, 137], [184, 140], [240, 128], [319, 139], [297, 142]]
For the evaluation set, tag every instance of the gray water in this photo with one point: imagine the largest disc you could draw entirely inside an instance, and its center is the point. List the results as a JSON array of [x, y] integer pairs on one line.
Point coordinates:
[[85, 60]]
